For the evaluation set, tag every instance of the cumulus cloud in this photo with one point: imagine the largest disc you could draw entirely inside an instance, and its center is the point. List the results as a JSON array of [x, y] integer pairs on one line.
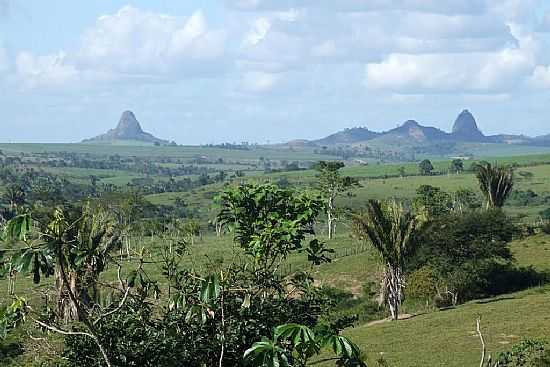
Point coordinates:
[[496, 71], [137, 41], [131, 44], [277, 41]]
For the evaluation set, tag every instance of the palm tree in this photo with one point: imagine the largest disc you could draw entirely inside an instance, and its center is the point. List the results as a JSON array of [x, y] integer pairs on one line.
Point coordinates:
[[393, 232], [496, 183], [15, 195]]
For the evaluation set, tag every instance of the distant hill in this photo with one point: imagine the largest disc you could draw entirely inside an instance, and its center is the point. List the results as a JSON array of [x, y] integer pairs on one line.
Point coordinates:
[[411, 134], [348, 136], [129, 130]]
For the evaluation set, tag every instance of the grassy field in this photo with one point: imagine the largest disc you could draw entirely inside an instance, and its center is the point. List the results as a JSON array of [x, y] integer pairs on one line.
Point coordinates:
[[185, 152], [441, 338], [448, 338]]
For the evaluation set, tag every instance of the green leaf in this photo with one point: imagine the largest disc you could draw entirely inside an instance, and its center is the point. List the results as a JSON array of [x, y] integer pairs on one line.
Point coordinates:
[[210, 288]]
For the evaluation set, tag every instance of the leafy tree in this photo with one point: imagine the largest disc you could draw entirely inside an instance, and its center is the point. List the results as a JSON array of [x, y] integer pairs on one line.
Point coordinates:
[[331, 185], [76, 252], [463, 249], [402, 171], [393, 232], [425, 167], [465, 199], [270, 223], [432, 200], [457, 166], [496, 183]]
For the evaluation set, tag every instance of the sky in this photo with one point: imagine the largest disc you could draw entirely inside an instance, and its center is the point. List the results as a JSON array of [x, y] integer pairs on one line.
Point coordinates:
[[211, 71]]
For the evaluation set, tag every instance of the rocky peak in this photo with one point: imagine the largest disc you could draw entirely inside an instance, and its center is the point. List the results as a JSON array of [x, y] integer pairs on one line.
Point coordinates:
[[129, 129], [128, 125], [410, 124], [465, 127]]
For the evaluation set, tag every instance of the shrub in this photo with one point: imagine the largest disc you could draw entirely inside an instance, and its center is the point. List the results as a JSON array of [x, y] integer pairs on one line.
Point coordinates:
[[422, 284]]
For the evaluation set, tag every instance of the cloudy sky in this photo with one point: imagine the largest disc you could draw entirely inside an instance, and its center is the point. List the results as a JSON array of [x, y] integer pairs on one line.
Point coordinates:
[[206, 71]]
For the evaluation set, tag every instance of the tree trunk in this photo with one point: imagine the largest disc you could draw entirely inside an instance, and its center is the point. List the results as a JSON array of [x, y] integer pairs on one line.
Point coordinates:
[[330, 218], [395, 291], [66, 310]]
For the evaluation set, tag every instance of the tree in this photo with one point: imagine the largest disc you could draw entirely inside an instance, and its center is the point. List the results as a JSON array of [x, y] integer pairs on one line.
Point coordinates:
[[270, 223], [496, 183], [402, 171], [464, 248], [425, 167], [15, 195], [331, 185], [76, 252], [432, 200], [393, 232], [457, 166]]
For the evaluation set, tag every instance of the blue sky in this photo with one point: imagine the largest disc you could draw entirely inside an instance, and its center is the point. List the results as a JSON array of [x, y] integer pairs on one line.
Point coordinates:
[[270, 70]]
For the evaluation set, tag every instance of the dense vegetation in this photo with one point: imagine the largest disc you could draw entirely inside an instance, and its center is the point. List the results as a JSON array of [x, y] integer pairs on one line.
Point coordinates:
[[123, 260]]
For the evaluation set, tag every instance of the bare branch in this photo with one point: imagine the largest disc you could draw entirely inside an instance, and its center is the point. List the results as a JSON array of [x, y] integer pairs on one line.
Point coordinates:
[[75, 333], [483, 348]]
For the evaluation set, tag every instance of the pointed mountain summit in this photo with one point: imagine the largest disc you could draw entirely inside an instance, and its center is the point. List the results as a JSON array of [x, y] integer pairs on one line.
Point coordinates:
[[128, 129], [465, 128]]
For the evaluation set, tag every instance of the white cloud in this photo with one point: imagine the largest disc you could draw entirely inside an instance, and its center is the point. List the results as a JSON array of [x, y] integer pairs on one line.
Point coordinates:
[[276, 43], [466, 72], [137, 41], [50, 70], [131, 45]]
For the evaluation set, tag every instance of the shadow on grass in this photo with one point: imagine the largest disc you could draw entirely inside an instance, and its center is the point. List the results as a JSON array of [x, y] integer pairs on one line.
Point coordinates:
[[493, 300], [503, 279], [8, 351]]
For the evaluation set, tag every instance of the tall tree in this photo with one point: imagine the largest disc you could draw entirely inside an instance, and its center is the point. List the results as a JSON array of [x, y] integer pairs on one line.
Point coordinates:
[[332, 184], [496, 183], [425, 167], [457, 166], [393, 232]]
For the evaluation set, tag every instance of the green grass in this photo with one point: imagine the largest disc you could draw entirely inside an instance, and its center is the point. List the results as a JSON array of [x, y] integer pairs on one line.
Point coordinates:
[[185, 152], [448, 338]]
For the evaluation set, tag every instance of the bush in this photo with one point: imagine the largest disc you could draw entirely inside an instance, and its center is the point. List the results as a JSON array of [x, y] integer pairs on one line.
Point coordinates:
[[422, 284], [528, 353], [546, 227]]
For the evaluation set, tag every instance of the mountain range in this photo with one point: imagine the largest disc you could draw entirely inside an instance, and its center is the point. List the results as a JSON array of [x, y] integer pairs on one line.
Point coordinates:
[[411, 133]]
